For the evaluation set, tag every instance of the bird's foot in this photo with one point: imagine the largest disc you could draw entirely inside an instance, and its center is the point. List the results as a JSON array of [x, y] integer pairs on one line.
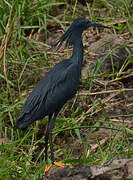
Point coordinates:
[[62, 164], [47, 168]]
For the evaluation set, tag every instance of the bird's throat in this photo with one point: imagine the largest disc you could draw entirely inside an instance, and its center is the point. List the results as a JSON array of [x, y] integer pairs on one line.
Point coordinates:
[[77, 54]]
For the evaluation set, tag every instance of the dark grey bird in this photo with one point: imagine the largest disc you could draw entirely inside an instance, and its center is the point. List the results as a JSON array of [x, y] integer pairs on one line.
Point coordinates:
[[58, 85]]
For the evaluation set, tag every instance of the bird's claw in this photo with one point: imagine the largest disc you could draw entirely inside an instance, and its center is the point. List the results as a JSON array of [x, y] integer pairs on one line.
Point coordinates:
[[61, 164], [47, 168]]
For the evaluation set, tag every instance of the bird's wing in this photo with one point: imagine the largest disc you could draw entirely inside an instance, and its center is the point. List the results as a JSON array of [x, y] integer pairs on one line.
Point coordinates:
[[64, 87], [39, 93], [66, 75], [51, 83], [32, 103], [68, 71]]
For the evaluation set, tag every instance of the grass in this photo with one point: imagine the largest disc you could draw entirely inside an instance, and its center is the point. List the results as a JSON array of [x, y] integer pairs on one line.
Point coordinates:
[[23, 56]]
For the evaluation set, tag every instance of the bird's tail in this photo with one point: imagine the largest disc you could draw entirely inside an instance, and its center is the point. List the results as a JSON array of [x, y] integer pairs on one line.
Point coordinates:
[[24, 121]]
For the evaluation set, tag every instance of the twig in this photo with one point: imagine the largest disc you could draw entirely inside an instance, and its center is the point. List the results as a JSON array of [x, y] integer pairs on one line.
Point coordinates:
[[5, 41], [94, 147], [118, 120], [107, 106], [104, 92], [123, 77], [82, 117]]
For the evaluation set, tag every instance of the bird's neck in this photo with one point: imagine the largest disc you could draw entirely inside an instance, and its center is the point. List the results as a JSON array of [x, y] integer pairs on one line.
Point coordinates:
[[77, 54]]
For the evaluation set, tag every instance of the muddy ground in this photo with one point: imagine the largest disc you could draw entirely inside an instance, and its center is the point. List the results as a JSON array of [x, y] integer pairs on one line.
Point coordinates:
[[118, 170]]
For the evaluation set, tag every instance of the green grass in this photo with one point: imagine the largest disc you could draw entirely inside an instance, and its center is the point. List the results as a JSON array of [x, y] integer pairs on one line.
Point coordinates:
[[23, 58]]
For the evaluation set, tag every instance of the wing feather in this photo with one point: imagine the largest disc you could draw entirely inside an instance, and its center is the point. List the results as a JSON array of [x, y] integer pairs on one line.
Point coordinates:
[[51, 93], [39, 94]]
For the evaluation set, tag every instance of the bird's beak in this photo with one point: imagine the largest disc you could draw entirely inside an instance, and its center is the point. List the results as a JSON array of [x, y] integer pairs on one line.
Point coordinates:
[[98, 25]]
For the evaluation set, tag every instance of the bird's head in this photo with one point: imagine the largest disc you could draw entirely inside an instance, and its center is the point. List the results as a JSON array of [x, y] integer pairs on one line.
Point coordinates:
[[81, 24], [75, 30]]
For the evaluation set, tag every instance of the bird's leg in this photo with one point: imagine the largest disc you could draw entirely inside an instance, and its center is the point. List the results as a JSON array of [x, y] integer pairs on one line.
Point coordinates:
[[51, 144], [49, 135], [46, 144], [52, 123], [46, 168], [47, 138]]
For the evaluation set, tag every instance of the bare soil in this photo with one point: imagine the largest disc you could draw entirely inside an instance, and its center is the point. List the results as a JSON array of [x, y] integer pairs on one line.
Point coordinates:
[[119, 170]]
